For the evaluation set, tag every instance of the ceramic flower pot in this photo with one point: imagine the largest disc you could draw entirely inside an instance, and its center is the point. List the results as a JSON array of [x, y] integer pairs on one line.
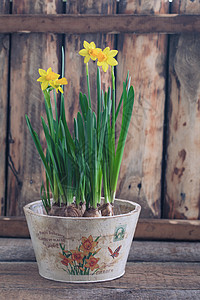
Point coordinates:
[[82, 249]]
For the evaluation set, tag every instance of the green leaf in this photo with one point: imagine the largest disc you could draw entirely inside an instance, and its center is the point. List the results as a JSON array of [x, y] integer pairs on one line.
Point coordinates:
[[120, 102], [84, 105], [81, 134], [64, 139], [44, 197], [98, 100], [75, 129], [69, 140], [49, 113], [94, 168], [102, 135], [50, 145], [126, 117], [40, 151], [55, 102]]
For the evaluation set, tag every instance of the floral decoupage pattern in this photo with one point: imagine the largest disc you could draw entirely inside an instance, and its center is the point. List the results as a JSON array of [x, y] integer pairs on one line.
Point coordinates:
[[82, 260]]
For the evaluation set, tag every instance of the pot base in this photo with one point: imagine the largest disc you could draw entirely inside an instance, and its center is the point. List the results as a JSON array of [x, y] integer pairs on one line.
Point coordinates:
[[82, 281]]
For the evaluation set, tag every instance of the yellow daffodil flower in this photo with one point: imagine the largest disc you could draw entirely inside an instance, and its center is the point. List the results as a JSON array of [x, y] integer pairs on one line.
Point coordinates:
[[46, 77], [90, 51], [106, 57], [56, 84]]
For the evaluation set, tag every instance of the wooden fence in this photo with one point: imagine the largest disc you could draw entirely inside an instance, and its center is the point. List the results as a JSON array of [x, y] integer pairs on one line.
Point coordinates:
[[161, 164]]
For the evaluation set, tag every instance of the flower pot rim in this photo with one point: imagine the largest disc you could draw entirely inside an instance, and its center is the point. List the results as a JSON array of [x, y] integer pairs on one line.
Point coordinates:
[[137, 207]]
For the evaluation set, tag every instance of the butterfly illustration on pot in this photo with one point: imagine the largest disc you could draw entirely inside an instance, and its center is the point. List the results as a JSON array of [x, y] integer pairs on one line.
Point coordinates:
[[115, 253]]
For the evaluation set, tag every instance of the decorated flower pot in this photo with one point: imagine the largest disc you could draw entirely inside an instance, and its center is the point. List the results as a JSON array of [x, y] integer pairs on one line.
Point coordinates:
[[82, 249]]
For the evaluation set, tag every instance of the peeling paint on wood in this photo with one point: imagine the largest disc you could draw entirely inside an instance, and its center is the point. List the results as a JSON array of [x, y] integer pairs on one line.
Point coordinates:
[[182, 186], [145, 57]]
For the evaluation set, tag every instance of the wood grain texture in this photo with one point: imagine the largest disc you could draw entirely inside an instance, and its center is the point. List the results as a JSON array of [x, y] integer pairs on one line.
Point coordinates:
[[146, 251], [100, 293], [16, 250], [28, 54], [147, 229], [13, 227], [114, 24], [4, 69], [168, 229], [138, 275], [146, 279], [182, 195], [164, 251], [75, 69], [145, 57]]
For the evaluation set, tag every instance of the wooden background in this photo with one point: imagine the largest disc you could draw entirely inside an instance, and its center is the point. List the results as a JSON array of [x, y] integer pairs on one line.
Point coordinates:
[[160, 168]]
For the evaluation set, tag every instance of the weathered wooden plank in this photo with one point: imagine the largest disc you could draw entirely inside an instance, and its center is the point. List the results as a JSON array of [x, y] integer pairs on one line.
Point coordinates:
[[13, 227], [16, 250], [172, 276], [100, 293], [153, 251], [168, 229], [4, 57], [147, 229], [114, 24], [74, 63], [28, 53], [182, 196], [142, 251], [145, 57]]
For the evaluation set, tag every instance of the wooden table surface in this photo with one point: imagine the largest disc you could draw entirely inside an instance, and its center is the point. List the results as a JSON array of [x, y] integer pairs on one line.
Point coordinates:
[[155, 270]]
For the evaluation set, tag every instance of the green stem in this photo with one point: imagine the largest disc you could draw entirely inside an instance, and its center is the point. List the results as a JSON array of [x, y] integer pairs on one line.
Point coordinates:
[[112, 196], [55, 190], [88, 84], [98, 102], [113, 103], [100, 174], [49, 113], [112, 131], [105, 183]]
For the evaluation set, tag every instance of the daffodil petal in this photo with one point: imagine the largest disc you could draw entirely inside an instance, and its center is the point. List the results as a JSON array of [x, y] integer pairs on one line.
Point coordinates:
[[62, 81], [52, 83], [40, 79], [60, 89], [44, 85], [99, 63], [42, 72], [92, 45], [53, 76], [113, 53], [83, 52], [86, 59], [93, 58], [86, 45], [112, 61], [104, 66], [49, 70], [106, 50]]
